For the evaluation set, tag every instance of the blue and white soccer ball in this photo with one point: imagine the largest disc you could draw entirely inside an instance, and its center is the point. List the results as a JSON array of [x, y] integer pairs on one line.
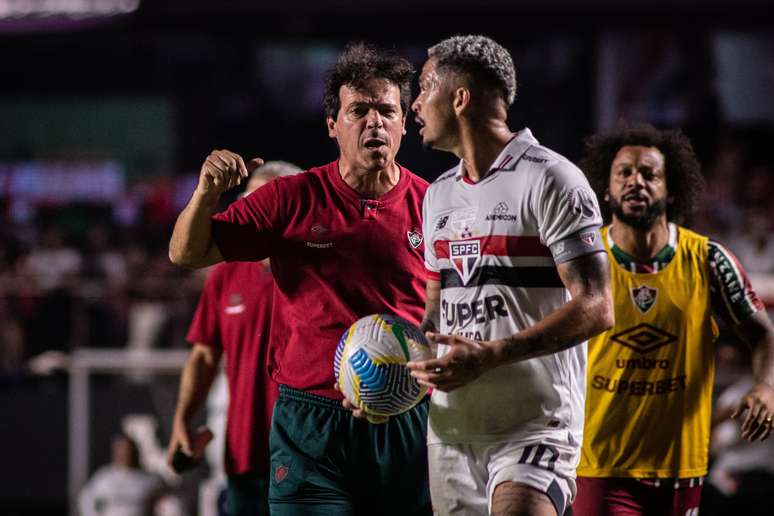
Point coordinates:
[[370, 364]]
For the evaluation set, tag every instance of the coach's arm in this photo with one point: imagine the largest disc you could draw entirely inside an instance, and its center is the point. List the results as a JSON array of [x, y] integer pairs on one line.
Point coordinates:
[[589, 312], [197, 376], [191, 244]]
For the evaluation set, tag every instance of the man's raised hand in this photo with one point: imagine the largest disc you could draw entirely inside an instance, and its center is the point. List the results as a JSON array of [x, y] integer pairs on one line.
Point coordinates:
[[223, 170]]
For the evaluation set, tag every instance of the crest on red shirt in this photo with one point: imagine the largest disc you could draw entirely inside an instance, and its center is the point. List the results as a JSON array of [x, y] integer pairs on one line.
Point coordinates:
[[415, 238]]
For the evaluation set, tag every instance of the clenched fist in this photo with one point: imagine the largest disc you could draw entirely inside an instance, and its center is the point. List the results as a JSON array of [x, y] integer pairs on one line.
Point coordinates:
[[223, 170]]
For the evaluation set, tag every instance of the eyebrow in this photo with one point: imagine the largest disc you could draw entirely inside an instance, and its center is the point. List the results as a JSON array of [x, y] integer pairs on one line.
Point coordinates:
[[631, 162], [360, 103]]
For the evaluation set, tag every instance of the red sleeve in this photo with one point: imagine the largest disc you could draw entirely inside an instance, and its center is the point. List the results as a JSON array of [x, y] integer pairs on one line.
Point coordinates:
[[204, 328], [247, 230]]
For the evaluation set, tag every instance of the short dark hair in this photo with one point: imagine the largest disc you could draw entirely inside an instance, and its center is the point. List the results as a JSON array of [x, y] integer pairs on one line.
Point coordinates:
[[685, 182], [482, 59], [361, 62]]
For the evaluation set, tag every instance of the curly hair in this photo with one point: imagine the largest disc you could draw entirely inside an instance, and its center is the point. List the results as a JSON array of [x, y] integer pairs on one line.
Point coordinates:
[[481, 58], [361, 62], [685, 182]]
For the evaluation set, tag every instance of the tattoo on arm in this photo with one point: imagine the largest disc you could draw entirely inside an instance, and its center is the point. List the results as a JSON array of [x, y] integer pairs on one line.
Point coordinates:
[[588, 313], [432, 319]]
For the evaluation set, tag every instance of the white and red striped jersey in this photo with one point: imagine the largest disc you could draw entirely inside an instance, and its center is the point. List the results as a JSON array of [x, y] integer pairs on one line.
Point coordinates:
[[490, 245]]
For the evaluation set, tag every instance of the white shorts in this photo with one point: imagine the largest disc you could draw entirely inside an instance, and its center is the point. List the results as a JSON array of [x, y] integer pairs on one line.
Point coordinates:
[[463, 477]]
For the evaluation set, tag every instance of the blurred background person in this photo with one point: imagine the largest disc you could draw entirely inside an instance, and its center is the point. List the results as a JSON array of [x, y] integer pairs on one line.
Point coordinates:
[[123, 487], [232, 321]]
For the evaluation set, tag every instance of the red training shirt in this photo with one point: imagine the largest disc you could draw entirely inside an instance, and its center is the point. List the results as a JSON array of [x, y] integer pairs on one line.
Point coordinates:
[[335, 258], [234, 312]]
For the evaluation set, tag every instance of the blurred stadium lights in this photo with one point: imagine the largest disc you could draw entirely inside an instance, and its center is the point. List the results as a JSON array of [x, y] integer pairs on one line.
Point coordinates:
[[15, 9]]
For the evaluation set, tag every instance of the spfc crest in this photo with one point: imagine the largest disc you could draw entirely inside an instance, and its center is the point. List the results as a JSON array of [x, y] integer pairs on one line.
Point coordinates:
[[465, 256], [643, 297], [414, 238]]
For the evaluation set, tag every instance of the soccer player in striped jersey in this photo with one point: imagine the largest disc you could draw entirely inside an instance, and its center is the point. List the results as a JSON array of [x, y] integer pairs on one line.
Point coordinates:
[[518, 280], [649, 390]]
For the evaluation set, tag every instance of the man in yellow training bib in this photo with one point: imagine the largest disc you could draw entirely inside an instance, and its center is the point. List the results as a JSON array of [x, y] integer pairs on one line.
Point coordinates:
[[649, 389]]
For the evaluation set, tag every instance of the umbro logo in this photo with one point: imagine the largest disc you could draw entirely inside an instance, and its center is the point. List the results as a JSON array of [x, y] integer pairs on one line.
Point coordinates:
[[500, 212], [319, 229], [643, 338], [318, 232], [235, 306]]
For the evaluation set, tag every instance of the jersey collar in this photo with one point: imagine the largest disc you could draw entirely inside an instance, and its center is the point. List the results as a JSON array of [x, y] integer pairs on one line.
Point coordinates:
[[508, 157], [658, 262], [395, 194]]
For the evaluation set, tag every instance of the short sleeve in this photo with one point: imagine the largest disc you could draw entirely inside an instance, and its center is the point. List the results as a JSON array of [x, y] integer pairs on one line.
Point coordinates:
[[205, 328], [248, 229], [566, 203], [431, 260], [733, 297]]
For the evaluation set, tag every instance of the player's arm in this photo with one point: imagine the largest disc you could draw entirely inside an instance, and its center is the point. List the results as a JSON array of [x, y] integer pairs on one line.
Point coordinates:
[[199, 372], [192, 244], [758, 402], [432, 319], [735, 301], [588, 313]]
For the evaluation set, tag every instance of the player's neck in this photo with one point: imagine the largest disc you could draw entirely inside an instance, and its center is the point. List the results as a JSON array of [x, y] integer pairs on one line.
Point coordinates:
[[480, 144], [370, 184], [640, 244]]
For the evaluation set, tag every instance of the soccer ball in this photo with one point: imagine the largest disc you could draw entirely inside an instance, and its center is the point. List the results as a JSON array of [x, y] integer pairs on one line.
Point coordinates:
[[370, 364]]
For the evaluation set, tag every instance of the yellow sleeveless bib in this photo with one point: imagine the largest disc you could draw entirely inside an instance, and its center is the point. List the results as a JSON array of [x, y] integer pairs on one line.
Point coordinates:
[[649, 391]]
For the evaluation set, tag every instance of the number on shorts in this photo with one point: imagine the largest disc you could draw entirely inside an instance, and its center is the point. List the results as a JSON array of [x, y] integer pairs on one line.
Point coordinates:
[[538, 456]]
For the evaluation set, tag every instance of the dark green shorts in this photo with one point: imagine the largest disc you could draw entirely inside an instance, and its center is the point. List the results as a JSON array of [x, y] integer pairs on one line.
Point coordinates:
[[326, 462], [247, 495]]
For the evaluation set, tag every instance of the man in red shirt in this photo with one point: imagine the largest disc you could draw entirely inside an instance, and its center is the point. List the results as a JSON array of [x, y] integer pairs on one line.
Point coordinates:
[[232, 319], [344, 241]]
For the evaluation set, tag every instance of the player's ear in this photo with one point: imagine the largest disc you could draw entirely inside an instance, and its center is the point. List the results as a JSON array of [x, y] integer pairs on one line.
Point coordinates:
[[403, 131], [331, 124], [606, 195], [460, 99]]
